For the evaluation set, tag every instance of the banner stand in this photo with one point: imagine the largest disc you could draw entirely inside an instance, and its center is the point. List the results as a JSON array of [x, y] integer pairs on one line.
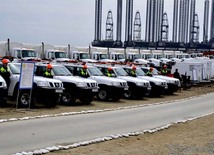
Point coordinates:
[[26, 81]]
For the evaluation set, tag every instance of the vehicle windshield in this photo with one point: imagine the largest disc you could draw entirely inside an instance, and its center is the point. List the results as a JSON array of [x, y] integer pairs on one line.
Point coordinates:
[[136, 56], [28, 53], [155, 71], [61, 71], [93, 71], [103, 56], [140, 72], [15, 68], [84, 55], [146, 56], [120, 72], [60, 55], [120, 56]]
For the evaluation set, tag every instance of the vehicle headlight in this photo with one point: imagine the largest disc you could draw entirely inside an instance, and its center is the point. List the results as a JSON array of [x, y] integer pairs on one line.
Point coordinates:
[[115, 83], [43, 84], [139, 83], [157, 83], [81, 84], [4, 84]]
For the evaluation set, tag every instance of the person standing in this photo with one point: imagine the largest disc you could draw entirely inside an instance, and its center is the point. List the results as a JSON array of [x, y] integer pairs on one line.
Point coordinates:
[[176, 74], [149, 73], [4, 71], [109, 72], [133, 71], [83, 71], [164, 70], [47, 72]]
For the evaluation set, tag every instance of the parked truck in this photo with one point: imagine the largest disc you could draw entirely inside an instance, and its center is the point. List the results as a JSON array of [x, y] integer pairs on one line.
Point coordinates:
[[109, 88], [138, 88], [46, 91], [19, 51], [3, 91], [75, 87]]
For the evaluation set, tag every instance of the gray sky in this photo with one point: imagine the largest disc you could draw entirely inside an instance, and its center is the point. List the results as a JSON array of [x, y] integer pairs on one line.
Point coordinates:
[[62, 22]]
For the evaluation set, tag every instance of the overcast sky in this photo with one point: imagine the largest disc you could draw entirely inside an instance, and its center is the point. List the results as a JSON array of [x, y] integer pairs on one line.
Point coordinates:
[[62, 22]]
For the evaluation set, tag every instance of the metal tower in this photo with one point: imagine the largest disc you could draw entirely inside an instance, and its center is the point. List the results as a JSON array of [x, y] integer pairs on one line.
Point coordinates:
[[154, 20], [183, 21], [159, 14], [181, 26], [119, 22], [175, 22], [165, 28], [192, 16], [196, 27], [212, 23], [98, 20], [129, 20], [206, 21], [186, 22], [147, 33], [109, 26], [137, 27]]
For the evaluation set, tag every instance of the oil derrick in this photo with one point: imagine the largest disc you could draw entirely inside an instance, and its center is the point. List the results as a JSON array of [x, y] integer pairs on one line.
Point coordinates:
[[119, 22], [195, 32], [164, 28], [109, 27], [137, 27]]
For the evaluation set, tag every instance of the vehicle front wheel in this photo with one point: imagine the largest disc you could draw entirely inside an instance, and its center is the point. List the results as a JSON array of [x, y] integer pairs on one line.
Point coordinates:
[[128, 94], [68, 98], [24, 99], [103, 95]]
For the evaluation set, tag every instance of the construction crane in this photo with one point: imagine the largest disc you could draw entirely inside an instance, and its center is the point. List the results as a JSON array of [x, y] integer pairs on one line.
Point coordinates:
[[109, 26], [165, 28], [137, 27]]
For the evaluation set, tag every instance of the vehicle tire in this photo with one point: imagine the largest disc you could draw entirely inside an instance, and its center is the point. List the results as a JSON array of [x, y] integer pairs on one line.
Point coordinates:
[[86, 100], [103, 95], [128, 94], [24, 99], [68, 98]]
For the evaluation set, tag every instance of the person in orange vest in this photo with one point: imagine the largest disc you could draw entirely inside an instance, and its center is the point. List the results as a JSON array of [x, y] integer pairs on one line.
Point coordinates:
[[109, 72], [149, 73], [83, 71], [164, 70], [133, 71], [4, 71], [48, 73]]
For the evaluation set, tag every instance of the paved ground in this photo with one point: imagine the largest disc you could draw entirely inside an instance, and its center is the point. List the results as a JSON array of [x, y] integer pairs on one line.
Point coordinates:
[[195, 137]]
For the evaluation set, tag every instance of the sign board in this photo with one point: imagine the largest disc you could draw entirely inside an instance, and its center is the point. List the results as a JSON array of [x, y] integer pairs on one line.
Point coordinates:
[[26, 75]]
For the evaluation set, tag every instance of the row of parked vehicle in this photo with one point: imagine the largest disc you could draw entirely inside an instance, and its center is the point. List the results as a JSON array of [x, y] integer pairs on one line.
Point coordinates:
[[69, 84]]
